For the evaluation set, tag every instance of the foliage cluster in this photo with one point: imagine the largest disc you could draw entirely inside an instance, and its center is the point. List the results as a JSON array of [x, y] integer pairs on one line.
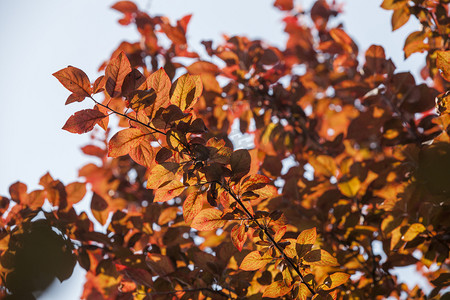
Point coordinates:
[[176, 212]]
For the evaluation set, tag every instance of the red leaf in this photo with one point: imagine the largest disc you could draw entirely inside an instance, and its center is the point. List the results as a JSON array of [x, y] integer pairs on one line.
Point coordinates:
[[18, 191], [124, 141], [238, 236], [83, 121], [125, 7], [75, 80], [115, 73], [284, 4], [208, 219]]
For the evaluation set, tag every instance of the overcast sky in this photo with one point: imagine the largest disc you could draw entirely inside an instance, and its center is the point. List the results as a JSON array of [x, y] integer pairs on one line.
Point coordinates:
[[38, 38]]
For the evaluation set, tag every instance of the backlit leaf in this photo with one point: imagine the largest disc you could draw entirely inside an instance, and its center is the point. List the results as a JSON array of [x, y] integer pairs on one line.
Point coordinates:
[[83, 121], [284, 4], [143, 154], [75, 80], [350, 188], [115, 73], [443, 63], [124, 141], [305, 241], [254, 261], [161, 173], [192, 204], [169, 191], [335, 280], [320, 257], [186, 91], [277, 289], [160, 82], [208, 219], [414, 230], [238, 236]]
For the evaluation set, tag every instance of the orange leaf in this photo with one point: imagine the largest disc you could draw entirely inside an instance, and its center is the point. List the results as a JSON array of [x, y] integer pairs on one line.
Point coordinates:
[[35, 199], [75, 80], [280, 233], [125, 7], [161, 173], [143, 154], [277, 289], [305, 241], [254, 261], [192, 204], [18, 192], [303, 292], [415, 43], [335, 280], [414, 230], [83, 121], [169, 191], [208, 219], [238, 236], [160, 82], [124, 141], [186, 91], [400, 17], [75, 192], [320, 257], [115, 73], [443, 63]]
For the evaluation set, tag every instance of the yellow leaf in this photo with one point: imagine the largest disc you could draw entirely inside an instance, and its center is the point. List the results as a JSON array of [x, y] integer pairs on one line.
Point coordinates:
[[320, 257], [192, 204], [350, 188], [414, 230], [305, 241], [254, 261], [335, 280]]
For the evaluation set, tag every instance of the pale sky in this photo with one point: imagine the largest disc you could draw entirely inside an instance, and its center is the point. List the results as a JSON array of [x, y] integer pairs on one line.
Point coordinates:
[[38, 38]]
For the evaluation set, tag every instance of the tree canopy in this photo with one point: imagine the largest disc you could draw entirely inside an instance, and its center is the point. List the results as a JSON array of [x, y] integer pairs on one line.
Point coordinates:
[[347, 175]]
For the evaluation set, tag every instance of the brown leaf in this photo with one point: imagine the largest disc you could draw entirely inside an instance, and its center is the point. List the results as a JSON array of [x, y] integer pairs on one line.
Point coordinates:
[[115, 73], [75, 80], [83, 121]]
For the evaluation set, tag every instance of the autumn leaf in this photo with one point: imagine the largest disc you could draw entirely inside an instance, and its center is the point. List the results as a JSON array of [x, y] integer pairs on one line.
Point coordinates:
[[414, 230], [75, 192], [192, 204], [186, 91], [124, 141], [143, 154], [277, 289], [161, 173], [350, 188], [115, 73], [75, 80], [18, 191], [284, 4], [305, 240], [320, 257], [334, 280], [240, 162], [169, 191], [208, 219], [160, 83], [400, 17], [238, 236], [254, 261], [83, 121], [443, 63]]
